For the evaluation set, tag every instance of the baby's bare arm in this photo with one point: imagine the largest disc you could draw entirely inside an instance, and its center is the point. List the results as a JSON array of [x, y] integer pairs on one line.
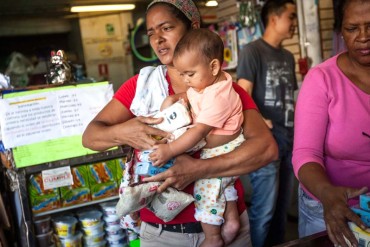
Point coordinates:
[[170, 100]]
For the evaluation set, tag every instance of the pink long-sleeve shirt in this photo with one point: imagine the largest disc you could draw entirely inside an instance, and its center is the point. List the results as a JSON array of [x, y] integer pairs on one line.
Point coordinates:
[[332, 121]]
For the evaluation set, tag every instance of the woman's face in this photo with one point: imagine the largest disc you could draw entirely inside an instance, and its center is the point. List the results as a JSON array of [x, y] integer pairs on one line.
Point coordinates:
[[164, 31], [356, 31]]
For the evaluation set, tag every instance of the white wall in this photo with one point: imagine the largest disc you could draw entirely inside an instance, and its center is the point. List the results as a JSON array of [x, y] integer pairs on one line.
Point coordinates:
[[104, 40]]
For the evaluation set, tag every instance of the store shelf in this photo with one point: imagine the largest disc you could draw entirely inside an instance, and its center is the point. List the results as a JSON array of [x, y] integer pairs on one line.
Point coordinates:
[[26, 234], [120, 151], [54, 211]]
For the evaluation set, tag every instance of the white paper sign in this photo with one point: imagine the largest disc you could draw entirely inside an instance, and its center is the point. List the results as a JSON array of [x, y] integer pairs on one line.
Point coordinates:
[[57, 177], [50, 115]]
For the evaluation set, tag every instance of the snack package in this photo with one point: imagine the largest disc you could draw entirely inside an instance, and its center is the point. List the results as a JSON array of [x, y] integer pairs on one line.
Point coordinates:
[[174, 117], [120, 168], [79, 192], [363, 237], [144, 167], [133, 198], [363, 214], [40, 198], [365, 201], [103, 179], [169, 203]]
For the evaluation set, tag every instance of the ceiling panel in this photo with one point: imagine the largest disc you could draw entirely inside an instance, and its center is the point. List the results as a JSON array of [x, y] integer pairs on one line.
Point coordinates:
[[53, 8]]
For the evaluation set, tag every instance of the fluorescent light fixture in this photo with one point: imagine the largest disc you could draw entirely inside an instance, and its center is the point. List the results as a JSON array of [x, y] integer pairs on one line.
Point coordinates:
[[110, 7], [211, 3]]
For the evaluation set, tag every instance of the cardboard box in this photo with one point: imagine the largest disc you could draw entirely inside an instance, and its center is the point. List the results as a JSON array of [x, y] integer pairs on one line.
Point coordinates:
[[365, 201], [42, 200], [147, 169], [103, 179], [120, 168], [363, 237], [79, 192], [363, 214]]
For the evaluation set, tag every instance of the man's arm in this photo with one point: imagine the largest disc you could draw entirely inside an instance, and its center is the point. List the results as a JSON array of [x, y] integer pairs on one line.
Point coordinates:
[[246, 85]]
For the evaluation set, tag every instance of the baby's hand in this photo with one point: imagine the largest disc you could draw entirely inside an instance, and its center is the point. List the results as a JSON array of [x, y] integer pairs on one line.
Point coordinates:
[[160, 155]]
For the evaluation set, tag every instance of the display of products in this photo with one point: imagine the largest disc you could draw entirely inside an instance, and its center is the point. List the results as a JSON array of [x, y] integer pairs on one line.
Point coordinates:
[[362, 210], [79, 192], [41, 199], [86, 226], [90, 182], [103, 179]]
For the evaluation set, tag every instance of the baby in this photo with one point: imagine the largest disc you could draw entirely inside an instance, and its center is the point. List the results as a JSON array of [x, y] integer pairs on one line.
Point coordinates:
[[217, 117]]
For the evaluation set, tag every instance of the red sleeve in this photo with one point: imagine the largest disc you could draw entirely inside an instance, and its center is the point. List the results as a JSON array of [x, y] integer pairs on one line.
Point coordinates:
[[246, 99], [126, 92]]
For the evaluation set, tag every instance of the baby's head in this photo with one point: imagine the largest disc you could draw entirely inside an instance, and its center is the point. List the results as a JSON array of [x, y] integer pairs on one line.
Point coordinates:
[[198, 57]]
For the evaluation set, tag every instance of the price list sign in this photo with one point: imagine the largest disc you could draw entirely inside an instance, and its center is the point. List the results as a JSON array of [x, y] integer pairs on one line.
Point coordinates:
[[50, 117]]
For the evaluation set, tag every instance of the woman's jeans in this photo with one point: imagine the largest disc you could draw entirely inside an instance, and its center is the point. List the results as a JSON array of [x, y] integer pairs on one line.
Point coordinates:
[[311, 217]]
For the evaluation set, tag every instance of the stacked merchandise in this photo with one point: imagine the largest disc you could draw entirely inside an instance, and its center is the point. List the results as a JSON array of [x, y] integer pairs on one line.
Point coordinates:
[[44, 233], [103, 179], [90, 182], [79, 192], [66, 234], [363, 211], [41, 199], [116, 237], [92, 227]]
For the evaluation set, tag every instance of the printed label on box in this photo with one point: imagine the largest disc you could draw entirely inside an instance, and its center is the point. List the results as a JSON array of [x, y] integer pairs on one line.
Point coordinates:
[[57, 177]]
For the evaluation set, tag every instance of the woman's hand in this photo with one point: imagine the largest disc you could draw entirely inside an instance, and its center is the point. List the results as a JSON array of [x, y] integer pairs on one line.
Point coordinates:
[[337, 213], [115, 126], [184, 171], [139, 135], [334, 200]]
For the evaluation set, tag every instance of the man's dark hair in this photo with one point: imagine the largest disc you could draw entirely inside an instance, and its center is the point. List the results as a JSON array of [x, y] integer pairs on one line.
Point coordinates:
[[273, 7], [205, 42]]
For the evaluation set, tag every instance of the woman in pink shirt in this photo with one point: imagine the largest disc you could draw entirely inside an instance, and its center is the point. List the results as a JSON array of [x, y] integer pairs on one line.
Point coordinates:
[[331, 155]]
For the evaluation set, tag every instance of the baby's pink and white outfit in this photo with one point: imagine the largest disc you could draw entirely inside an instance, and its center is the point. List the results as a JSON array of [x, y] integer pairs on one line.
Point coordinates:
[[218, 106]]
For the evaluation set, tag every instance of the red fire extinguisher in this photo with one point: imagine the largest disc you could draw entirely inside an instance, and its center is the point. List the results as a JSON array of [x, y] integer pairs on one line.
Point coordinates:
[[303, 65]]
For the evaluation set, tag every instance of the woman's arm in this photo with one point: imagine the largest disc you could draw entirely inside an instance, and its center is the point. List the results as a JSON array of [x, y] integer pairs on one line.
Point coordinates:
[[114, 125], [258, 149], [334, 200]]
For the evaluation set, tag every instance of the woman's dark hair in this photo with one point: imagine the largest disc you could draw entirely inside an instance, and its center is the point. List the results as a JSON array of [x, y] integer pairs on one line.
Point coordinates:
[[340, 7], [273, 6], [176, 13]]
